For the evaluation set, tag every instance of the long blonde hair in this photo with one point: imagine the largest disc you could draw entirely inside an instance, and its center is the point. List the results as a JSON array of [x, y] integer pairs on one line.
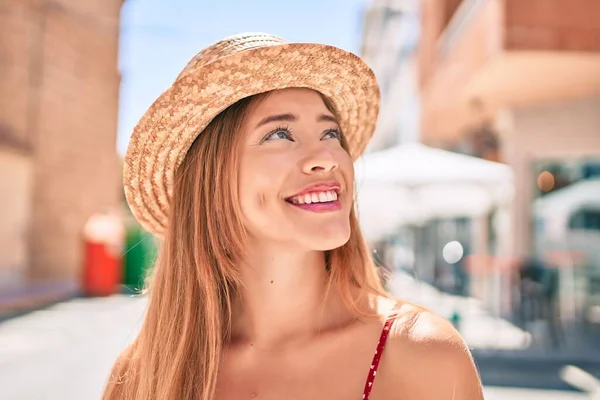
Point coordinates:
[[177, 352]]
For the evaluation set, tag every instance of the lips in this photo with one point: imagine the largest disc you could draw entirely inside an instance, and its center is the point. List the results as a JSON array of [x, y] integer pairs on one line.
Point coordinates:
[[316, 193], [318, 198], [314, 197]]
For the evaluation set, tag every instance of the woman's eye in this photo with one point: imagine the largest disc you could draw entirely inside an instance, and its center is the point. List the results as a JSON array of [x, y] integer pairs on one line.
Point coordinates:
[[279, 134], [333, 134]]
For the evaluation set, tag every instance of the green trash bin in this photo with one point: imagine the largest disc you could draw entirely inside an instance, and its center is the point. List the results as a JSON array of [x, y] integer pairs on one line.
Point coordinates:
[[139, 257]]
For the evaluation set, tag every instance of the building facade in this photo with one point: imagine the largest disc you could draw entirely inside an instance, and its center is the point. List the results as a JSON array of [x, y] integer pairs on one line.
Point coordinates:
[[389, 46], [59, 92], [513, 81]]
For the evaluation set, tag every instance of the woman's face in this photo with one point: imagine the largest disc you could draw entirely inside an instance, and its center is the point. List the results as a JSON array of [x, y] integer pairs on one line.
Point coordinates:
[[295, 179]]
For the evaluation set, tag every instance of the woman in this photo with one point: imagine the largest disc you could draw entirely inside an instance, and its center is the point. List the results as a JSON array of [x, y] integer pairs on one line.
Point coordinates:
[[264, 287]]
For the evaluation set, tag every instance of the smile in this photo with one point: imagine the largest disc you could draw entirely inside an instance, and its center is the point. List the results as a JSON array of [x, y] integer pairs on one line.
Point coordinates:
[[314, 197], [318, 198]]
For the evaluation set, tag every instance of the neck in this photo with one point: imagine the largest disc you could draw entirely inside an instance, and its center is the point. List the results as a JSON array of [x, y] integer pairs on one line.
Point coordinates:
[[284, 297]]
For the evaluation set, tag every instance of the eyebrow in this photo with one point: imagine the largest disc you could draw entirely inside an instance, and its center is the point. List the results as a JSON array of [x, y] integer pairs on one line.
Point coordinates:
[[289, 117]]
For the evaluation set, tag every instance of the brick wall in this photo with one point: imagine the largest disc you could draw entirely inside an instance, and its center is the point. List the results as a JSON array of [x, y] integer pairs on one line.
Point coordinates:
[[572, 25], [61, 98]]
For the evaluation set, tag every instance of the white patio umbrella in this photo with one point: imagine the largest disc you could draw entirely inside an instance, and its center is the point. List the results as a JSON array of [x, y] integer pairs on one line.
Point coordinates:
[[411, 183]]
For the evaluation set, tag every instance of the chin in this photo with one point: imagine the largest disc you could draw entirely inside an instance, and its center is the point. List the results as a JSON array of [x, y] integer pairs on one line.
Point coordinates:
[[324, 241]]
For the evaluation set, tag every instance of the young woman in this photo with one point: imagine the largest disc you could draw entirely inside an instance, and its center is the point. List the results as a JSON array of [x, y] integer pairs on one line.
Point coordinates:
[[264, 287]]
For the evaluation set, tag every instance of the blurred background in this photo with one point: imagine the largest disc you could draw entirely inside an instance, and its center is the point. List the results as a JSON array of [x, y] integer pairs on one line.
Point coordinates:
[[479, 194]]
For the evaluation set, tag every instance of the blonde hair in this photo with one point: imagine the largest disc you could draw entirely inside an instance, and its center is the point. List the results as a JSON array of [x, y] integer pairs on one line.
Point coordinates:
[[177, 352]]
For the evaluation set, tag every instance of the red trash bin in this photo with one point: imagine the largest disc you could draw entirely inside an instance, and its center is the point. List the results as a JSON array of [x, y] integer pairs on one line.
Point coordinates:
[[103, 244]]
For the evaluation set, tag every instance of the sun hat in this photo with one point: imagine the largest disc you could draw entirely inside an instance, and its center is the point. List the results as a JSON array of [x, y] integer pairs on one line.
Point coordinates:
[[234, 68]]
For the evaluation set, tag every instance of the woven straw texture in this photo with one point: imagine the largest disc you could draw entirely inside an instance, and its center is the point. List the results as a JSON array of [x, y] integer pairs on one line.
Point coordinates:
[[217, 77]]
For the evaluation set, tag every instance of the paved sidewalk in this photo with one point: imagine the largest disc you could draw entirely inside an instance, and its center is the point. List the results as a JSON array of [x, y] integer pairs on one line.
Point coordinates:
[[65, 352], [496, 393]]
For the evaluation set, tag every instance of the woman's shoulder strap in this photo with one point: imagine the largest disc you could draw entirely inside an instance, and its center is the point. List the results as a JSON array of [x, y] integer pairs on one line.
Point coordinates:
[[387, 326]]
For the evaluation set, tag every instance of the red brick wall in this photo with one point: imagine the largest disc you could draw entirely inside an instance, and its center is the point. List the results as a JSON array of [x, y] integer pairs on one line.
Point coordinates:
[[62, 87], [553, 25]]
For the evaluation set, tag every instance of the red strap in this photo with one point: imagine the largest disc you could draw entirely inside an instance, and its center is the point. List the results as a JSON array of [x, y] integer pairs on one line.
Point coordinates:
[[377, 357]]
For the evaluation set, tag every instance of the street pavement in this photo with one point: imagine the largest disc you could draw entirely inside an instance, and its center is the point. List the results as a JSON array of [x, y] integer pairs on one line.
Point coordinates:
[[497, 393], [66, 351]]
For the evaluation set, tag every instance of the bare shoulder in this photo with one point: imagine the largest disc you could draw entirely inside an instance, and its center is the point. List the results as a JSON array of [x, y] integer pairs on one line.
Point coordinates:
[[428, 359], [426, 331]]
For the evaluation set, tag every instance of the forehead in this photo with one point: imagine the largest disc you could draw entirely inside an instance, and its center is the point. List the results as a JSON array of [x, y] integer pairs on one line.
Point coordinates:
[[298, 101]]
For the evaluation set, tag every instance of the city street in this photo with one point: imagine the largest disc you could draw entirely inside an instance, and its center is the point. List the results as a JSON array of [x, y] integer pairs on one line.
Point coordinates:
[[465, 134], [65, 352]]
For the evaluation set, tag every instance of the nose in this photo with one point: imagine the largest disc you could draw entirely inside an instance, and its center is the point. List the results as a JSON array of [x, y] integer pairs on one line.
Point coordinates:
[[319, 161]]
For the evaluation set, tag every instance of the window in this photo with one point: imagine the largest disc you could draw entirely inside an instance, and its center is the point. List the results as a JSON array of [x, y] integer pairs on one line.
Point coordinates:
[[585, 219]]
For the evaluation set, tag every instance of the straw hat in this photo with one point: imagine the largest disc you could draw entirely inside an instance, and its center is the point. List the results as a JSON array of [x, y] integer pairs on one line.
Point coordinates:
[[217, 77]]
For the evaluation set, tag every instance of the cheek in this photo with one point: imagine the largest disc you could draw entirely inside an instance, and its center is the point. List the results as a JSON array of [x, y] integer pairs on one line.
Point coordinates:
[[262, 200], [258, 196], [346, 166], [258, 185], [251, 194], [349, 171]]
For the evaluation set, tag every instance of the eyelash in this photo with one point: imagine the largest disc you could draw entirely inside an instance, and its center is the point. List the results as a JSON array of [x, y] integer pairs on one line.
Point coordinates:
[[291, 137]]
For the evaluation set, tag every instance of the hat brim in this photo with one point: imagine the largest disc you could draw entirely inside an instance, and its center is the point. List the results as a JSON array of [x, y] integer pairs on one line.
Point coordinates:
[[166, 131]]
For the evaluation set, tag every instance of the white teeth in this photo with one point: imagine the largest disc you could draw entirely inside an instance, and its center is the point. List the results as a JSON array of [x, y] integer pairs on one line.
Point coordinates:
[[320, 197]]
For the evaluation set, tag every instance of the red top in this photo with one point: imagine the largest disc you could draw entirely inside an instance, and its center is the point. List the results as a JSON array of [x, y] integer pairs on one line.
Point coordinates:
[[377, 357]]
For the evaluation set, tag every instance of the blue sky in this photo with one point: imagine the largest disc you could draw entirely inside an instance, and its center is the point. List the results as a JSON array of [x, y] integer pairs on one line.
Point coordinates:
[[158, 37]]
